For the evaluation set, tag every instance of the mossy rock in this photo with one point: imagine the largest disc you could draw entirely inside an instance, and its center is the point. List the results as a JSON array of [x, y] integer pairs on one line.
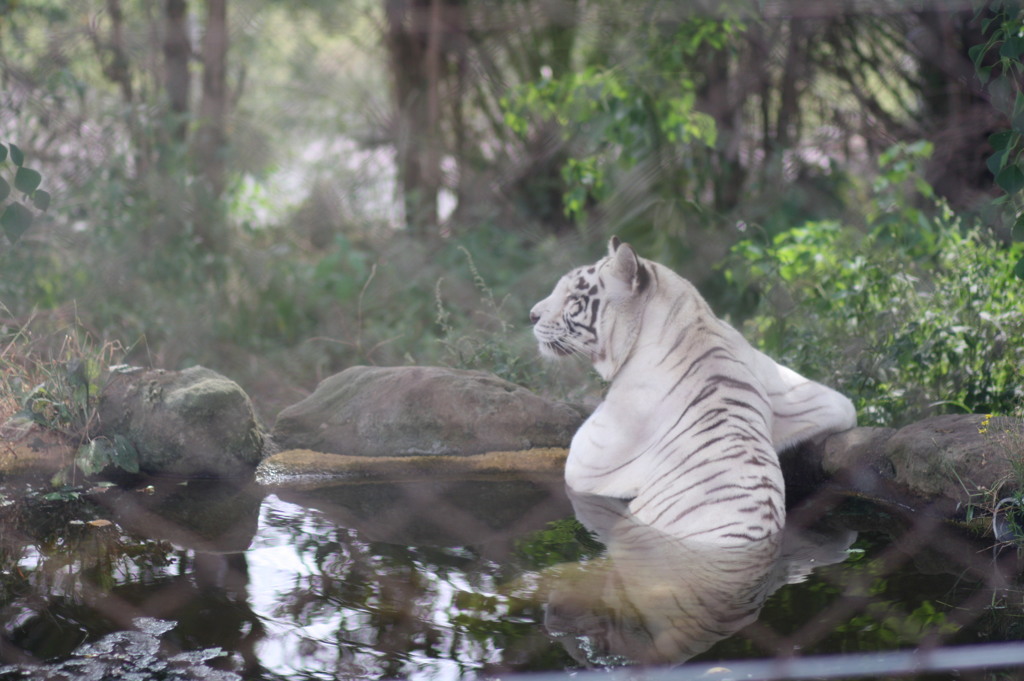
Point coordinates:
[[193, 423]]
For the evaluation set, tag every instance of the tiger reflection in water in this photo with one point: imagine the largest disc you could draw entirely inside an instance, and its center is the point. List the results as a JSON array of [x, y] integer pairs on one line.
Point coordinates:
[[653, 598]]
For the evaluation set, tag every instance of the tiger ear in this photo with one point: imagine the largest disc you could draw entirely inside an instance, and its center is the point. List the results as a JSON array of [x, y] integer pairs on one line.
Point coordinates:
[[613, 245], [625, 264]]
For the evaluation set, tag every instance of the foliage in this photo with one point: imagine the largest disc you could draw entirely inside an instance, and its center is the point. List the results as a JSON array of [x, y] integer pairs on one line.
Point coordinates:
[[561, 541], [483, 293], [916, 315], [15, 216], [487, 345], [632, 117], [999, 63], [62, 393], [619, 117]]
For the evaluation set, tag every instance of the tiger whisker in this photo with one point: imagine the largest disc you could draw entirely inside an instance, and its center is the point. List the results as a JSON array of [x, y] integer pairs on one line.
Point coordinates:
[[568, 346]]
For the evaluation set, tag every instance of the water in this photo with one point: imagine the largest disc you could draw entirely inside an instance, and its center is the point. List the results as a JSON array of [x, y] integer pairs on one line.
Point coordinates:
[[461, 579]]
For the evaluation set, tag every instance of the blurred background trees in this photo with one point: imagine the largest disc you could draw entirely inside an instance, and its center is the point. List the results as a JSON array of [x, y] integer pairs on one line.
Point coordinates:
[[282, 189]]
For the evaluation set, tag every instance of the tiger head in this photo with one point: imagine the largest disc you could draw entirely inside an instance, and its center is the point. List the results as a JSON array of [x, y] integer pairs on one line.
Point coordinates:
[[595, 311]]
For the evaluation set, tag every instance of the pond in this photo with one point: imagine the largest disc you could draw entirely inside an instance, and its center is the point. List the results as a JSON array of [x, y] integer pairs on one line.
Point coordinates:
[[461, 579]]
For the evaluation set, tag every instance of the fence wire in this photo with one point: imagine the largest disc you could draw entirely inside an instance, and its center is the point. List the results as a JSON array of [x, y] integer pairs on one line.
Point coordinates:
[[484, 577]]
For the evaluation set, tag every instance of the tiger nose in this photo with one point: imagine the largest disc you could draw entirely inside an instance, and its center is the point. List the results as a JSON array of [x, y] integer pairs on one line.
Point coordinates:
[[535, 314]]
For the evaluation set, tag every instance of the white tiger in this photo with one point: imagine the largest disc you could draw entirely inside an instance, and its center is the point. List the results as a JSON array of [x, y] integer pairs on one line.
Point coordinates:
[[694, 415]]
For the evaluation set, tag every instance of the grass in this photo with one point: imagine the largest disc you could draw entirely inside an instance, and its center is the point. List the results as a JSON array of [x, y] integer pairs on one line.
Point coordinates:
[[999, 508], [490, 344], [54, 378]]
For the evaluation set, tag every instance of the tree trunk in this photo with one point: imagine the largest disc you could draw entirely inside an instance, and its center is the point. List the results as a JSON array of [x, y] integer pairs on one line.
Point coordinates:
[[117, 69], [791, 85], [413, 43], [958, 116], [211, 141], [177, 79], [722, 97]]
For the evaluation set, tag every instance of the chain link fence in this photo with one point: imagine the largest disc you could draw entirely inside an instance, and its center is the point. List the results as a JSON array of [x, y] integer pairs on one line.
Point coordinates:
[[484, 576]]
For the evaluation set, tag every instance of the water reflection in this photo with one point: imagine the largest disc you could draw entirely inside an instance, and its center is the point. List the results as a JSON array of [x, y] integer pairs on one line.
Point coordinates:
[[172, 551], [655, 598], [486, 515], [210, 526], [438, 580], [394, 580]]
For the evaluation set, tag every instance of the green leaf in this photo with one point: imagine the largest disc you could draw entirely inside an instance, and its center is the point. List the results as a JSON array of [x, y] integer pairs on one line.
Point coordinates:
[[1012, 48], [1017, 117], [64, 495], [41, 199], [15, 221], [83, 372], [1019, 269], [1001, 93], [27, 180], [1018, 229], [61, 478], [995, 162], [17, 155], [126, 457], [985, 24], [1011, 179], [94, 456], [976, 53], [5, 189], [3, 153], [999, 140]]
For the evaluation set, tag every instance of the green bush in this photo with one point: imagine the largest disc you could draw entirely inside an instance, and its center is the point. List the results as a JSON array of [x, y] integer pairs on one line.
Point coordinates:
[[15, 195], [914, 316]]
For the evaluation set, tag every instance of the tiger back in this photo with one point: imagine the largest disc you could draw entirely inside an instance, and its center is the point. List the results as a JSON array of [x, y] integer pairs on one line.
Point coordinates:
[[693, 416]]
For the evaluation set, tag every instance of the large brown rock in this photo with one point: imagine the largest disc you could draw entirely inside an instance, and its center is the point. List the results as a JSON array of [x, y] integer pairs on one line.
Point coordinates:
[[402, 411], [956, 459], [957, 456], [856, 460]]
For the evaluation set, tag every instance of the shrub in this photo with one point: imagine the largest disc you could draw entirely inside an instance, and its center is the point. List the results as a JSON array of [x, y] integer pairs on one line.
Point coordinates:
[[917, 316]]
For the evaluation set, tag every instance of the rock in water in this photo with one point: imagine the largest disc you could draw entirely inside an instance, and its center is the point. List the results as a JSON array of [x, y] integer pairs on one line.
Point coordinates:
[[950, 460], [191, 423], [414, 410]]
